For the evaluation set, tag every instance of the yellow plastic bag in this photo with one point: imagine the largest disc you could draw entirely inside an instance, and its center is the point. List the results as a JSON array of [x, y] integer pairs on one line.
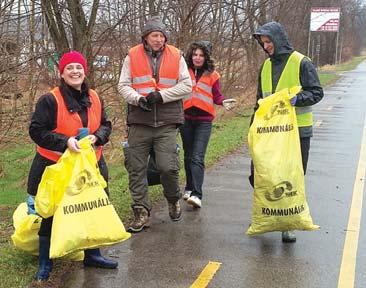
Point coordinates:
[[54, 181], [50, 190], [279, 188], [85, 218], [26, 226], [25, 236]]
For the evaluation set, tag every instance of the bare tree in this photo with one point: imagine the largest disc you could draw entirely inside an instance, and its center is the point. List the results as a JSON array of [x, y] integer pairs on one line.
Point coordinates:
[[67, 18], [33, 33]]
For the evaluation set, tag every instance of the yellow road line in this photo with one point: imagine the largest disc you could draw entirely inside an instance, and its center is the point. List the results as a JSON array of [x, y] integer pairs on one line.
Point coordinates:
[[206, 275], [348, 265]]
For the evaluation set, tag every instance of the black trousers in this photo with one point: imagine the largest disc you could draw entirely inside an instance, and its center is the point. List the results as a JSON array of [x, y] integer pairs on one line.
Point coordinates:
[[305, 148]]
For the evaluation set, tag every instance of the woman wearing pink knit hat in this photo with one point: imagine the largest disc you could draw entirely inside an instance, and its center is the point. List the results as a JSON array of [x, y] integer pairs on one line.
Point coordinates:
[[55, 126]]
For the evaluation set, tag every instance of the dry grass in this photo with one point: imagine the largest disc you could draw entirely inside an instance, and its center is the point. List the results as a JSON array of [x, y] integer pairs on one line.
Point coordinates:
[[328, 68]]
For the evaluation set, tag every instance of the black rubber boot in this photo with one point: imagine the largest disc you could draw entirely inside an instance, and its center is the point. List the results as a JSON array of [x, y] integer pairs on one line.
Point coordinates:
[[45, 263], [93, 258], [288, 237]]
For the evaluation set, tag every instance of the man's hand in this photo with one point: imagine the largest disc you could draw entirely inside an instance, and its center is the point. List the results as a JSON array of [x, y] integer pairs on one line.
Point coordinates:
[[293, 100], [154, 97], [143, 104], [73, 144], [229, 104]]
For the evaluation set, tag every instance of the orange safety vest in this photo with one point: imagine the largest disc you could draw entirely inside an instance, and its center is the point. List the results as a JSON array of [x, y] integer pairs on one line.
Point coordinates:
[[201, 96], [68, 123], [141, 72]]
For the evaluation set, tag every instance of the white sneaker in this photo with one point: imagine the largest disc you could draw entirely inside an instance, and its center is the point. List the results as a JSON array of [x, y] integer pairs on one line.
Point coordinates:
[[187, 194], [194, 201]]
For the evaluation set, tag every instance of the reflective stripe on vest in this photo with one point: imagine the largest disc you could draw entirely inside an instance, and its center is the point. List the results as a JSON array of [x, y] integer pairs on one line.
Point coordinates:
[[68, 123], [201, 96], [141, 72], [290, 77]]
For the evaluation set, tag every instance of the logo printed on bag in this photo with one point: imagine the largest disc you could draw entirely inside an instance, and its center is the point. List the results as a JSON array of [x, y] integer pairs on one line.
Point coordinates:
[[83, 180], [282, 189], [278, 108]]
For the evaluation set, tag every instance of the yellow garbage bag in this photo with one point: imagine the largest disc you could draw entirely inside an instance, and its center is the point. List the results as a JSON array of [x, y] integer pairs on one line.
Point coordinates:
[[50, 189], [54, 181], [26, 226], [25, 236], [279, 190], [85, 218]]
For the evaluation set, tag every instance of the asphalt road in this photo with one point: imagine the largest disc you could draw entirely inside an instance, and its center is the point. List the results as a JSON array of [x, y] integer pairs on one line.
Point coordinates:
[[174, 254]]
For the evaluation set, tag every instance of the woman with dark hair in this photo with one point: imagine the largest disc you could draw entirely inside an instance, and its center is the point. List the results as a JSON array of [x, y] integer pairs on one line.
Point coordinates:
[[54, 126], [199, 112]]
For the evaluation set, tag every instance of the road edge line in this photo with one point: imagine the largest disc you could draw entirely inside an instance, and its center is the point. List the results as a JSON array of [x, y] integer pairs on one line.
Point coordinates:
[[348, 265]]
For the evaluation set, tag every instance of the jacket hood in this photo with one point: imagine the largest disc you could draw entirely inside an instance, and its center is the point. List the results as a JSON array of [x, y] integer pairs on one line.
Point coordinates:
[[278, 36], [206, 47]]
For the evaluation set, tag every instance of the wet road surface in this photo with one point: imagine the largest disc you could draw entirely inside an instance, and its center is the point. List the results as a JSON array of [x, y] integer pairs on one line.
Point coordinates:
[[173, 254]]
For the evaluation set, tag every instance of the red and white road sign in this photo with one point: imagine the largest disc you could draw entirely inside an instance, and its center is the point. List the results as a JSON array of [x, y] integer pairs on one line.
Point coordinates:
[[325, 19]]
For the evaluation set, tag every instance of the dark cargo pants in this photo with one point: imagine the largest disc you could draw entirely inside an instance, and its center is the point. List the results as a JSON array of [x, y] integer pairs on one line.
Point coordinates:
[[163, 140]]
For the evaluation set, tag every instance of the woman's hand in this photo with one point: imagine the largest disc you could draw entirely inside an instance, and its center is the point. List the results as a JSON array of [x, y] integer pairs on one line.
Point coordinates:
[[30, 204], [92, 139], [229, 104], [73, 144]]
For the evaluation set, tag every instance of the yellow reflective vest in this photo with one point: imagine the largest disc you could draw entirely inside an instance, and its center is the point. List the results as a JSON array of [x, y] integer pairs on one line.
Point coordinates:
[[290, 77]]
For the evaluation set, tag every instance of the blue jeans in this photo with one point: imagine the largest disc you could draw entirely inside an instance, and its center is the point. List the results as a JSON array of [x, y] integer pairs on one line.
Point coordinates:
[[195, 136]]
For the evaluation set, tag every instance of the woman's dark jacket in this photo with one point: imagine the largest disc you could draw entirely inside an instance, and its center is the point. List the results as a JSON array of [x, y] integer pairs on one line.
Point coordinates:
[[43, 122]]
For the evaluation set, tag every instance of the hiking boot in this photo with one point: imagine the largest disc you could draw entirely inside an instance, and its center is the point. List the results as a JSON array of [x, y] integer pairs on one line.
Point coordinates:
[[140, 221], [288, 236], [175, 212], [194, 201], [187, 194]]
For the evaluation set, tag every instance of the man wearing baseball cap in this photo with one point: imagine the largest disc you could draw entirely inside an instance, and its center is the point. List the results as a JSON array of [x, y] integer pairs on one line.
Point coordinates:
[[154, 80]]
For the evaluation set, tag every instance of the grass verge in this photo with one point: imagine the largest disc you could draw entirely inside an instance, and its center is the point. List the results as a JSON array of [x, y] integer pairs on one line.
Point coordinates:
[[329, 74]]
